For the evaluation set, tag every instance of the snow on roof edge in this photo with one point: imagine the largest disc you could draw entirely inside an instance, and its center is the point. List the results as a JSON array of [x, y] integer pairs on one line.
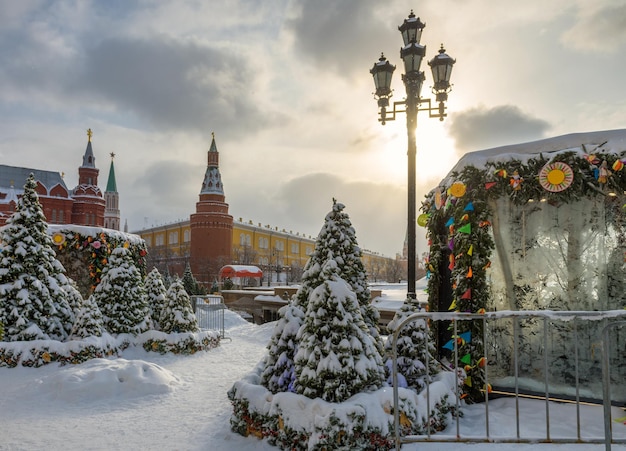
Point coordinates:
[[606, 141]]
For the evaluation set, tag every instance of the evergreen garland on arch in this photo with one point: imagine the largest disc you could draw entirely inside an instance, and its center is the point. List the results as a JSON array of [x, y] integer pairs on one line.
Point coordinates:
[[461, 240]]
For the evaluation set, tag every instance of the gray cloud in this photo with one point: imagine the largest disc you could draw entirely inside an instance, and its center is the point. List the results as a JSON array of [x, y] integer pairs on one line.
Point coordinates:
[[174, 84], [375, 208], [172, 182], [156, 80], [482, 128], [344, 36], [600, 29]]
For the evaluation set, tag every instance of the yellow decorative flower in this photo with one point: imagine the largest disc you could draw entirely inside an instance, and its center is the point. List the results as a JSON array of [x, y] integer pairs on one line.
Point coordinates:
[[45, 357], [58, 239], [458, 189]]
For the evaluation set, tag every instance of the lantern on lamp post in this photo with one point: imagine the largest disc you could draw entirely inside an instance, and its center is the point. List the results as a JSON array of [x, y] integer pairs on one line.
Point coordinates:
[[412, 54]]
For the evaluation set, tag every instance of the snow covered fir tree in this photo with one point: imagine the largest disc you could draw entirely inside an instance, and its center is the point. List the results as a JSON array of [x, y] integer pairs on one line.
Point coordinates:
[[336, 357], [34, 300], [155, 294], [336, 241], [416, 353], [177, 314], [121, 296], [43, 317], [326, 345]]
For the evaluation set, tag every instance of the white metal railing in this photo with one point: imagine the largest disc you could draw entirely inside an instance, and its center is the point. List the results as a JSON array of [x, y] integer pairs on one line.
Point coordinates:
[[598, 325], [210, 312]]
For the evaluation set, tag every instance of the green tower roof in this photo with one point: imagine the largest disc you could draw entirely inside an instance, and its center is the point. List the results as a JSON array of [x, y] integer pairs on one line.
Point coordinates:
[[111, 184]]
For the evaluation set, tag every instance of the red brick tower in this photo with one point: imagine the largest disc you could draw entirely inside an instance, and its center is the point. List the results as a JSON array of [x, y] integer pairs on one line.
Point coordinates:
[[211, 225], [88, 208]]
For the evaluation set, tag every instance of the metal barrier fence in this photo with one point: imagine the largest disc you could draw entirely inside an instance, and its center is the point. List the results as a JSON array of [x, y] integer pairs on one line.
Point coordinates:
[[209, 312], [515, 354]]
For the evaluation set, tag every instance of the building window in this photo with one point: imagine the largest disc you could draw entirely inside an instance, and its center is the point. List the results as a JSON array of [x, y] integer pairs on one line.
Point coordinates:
[[173, 238], [309, 250], [160, 239], [263, 243], [186, 236], [295, 249], [279, 245], [61, 217], [53, 219]]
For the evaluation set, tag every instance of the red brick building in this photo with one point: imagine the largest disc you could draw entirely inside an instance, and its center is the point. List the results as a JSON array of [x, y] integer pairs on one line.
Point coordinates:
[[84, 205]]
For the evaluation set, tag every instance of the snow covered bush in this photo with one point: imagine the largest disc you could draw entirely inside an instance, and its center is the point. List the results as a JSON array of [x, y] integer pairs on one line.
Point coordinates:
[[364, 421], [34, 302]]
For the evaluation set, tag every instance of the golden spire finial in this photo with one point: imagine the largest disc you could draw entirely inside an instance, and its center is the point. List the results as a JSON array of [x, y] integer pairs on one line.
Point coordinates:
[[89, 134], [112, 155]]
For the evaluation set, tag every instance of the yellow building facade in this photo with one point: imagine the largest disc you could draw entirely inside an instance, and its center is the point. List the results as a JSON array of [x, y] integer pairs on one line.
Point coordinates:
[[280, 253]]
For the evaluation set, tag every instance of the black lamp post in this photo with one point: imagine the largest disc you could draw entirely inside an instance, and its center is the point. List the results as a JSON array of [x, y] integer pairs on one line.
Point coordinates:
[[412, 54]]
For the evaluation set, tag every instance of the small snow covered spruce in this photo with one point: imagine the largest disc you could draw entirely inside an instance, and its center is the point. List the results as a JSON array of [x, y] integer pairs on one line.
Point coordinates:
[[336, 241], [33, 302], [337, 357], [411, 350], [190, 283], [155, 294], [177, 314], [279, 374], [89, 322], [121, 296]]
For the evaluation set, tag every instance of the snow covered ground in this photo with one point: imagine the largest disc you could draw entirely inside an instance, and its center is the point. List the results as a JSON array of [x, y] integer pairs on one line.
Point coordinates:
[[146, 401]]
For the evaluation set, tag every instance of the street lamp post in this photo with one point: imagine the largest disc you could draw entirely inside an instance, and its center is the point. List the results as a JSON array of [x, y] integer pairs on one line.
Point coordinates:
[[412, 54]]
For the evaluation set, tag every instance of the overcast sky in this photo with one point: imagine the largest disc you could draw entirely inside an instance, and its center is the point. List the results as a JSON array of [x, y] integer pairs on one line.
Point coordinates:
[[285, 86]]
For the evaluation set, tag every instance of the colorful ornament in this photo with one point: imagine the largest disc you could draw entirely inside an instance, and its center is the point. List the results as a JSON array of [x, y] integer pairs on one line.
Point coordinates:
[[490, 185], [618, 165], [470, 251], [58, 239], [467, 228], [467, 294], [440, 199], [458, 189], [556, 177], [501, 173], [422, 220], [603, 172], [469, 207], [516, 181]]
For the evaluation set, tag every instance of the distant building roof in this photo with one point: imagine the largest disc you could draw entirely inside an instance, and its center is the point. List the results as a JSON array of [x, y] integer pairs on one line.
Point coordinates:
[[16, 177]]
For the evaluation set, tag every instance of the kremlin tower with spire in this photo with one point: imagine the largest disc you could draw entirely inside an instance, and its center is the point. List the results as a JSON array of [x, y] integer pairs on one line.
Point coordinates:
[[88, 207], [211, 226], [84, 205], [112, 200]]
